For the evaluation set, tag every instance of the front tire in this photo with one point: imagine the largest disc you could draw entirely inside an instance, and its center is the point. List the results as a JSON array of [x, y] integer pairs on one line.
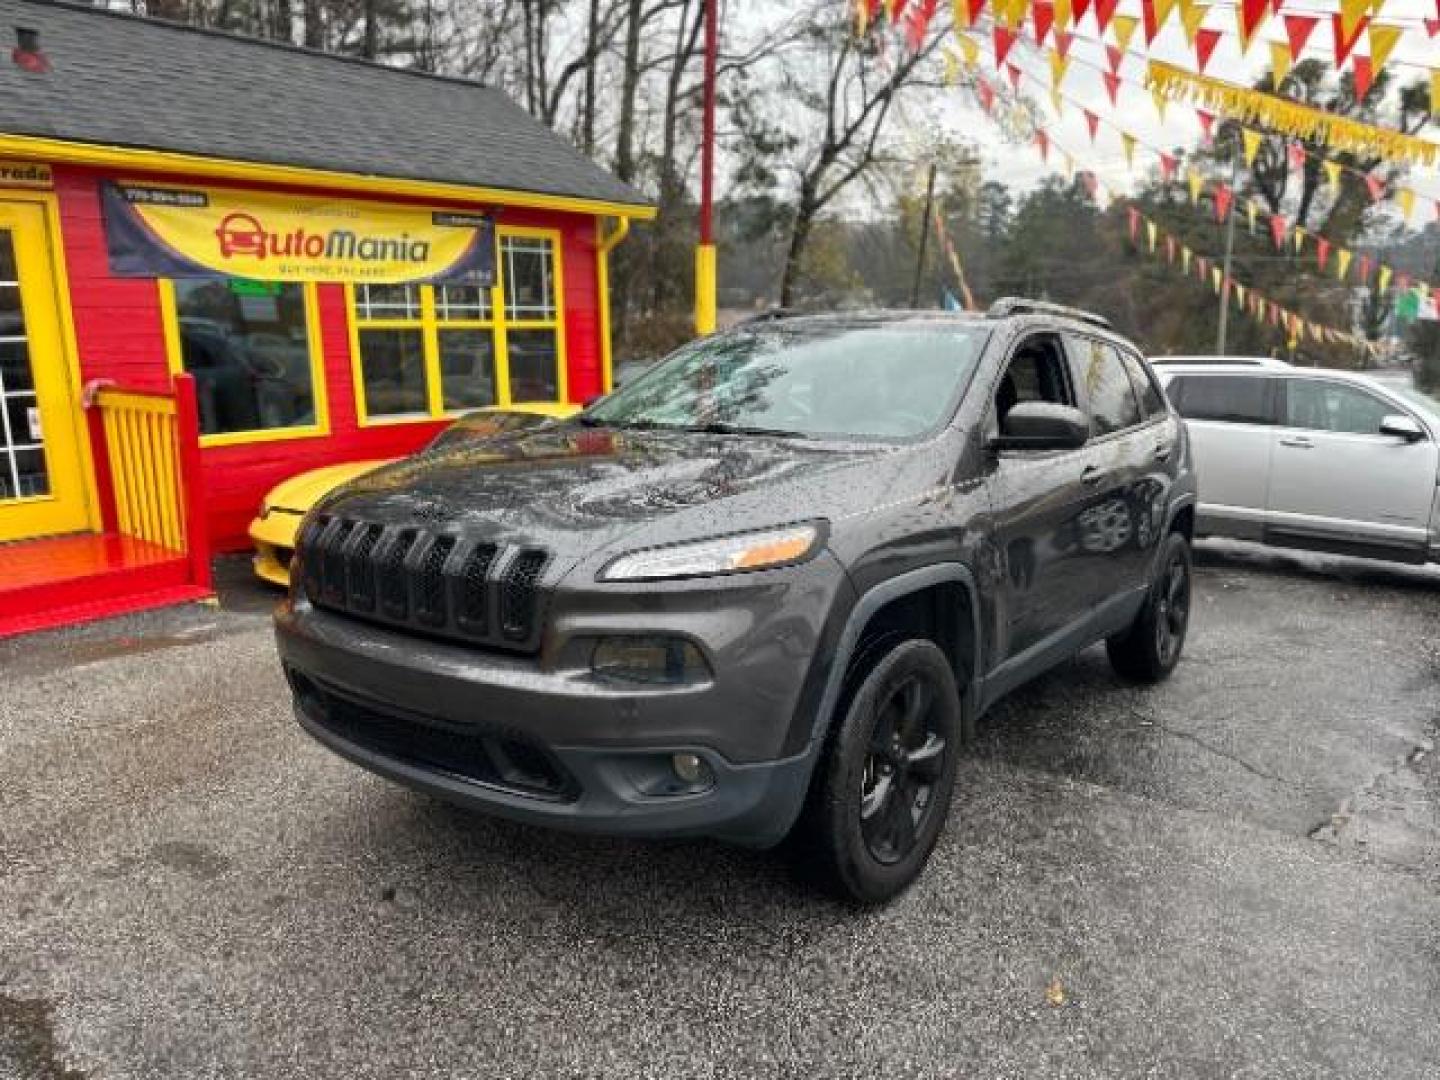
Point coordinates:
[[1149, 650], [883, 792]]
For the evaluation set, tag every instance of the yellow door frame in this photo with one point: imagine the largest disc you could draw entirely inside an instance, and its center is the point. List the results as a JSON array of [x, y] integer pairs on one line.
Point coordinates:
[[71, 505]]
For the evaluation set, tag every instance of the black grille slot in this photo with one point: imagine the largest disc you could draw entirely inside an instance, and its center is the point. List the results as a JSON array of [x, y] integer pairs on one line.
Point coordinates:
[[430, 582], [474, 600], [490, 755], [359, 572], [518, 594], [394, 586]]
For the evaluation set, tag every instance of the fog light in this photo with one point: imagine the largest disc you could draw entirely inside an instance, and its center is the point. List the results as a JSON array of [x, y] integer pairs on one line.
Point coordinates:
[[655, 660], [692, 769]]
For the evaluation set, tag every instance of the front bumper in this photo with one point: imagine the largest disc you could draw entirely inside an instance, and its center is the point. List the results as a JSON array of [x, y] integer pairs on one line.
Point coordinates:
[[594, 756]]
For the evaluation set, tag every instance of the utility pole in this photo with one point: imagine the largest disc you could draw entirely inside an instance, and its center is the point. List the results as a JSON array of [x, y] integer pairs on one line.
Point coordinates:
[[924, 236], [705, 285], [1222, 331]]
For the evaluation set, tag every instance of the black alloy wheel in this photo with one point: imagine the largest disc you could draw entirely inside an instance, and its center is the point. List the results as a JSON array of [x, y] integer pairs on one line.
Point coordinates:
[[907, 756], [1148, 650]]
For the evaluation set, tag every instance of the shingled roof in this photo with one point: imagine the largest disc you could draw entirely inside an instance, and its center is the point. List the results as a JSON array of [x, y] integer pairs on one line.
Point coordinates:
[[121, 80]]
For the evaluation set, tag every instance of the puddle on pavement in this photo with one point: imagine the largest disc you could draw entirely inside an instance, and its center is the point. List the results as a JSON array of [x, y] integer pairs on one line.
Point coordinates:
[[27, 1042]]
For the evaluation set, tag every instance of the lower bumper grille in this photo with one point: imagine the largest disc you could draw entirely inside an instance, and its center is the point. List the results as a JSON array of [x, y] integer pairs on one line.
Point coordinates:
[[488, 755]]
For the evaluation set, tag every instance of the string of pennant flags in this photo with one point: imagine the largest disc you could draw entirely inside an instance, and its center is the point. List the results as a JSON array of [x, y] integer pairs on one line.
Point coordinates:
[[1222, 196], [1248, 299]]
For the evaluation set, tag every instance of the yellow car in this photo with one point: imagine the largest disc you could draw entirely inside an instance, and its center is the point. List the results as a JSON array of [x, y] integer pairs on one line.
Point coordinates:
[[287, 502]]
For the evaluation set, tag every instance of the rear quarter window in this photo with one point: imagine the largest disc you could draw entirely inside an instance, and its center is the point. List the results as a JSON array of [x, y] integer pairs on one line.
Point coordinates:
[[1225, 399]]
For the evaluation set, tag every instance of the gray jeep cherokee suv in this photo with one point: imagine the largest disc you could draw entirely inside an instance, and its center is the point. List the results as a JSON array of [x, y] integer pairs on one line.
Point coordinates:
[[767, 586]]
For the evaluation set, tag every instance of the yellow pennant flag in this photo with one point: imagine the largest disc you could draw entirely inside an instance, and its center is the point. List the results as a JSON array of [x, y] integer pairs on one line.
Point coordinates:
[[1299, 235], [1059, 65], [1406, 198], [1185, 256], [1251, 139], [1128, 142], [1124, 30], [1332, 173], [1191, 16], [1383, 280], [1215, 278], [1251, 207], [1158, 96], [1062, 14], [1342, 263], [1435, 92], [970, 50], [1057, 101], [1069, 164], [1382, 43], [1240, 294], [1163, 10], [1351, 12], [1150, 231], [961, 10], [952, 66], [1280, 62], [1197, 182]]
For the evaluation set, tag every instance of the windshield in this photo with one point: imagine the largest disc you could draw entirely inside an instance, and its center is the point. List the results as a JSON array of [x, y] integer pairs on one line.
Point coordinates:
[[851, 379], [1416, 396]]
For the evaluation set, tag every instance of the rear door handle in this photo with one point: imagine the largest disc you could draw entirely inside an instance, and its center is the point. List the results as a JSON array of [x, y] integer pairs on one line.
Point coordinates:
[[1297, 441], [1091, 476]]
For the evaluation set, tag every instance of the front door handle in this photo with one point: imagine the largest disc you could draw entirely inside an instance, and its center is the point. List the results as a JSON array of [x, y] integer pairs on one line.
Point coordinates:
[[1091, 476], [1297, 441]]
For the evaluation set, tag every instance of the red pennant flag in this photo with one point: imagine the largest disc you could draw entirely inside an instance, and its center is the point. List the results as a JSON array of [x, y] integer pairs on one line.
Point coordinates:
[[1062, 42], [1104, 12], [1364, 269], [1115, 56], [1044, 14], [1432, 27], [1298, 29], [1112, 84], [1169, 248], [1277, 230], [919, 23], [1042, 140], [1206, 40], [1223, 195], [1014, 73], [1322, 251], [1093, 122], [1134, 224], [1342, 44], [1297, 155], [1374, 183], [1004, 42], [897, 8], [1364, 76], [1207, 125], [1079, 7], [1167, 166], [1202, 268], [873, 9], [1152, 23], [986, 93], [1251, 14], [976, 7]]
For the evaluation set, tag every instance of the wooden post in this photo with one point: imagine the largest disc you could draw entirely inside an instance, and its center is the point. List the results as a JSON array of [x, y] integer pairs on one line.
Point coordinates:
[[192, 480]]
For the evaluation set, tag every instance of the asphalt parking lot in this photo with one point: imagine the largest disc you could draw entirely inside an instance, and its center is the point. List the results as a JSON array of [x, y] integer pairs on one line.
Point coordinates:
[[1236, 874]]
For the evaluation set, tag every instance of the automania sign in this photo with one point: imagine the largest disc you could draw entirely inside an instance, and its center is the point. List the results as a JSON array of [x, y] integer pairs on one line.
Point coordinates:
[[162, 231]]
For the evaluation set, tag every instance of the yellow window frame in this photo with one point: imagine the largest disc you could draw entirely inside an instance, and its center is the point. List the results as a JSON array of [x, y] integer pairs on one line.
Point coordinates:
[[499, 324], [170, 321]]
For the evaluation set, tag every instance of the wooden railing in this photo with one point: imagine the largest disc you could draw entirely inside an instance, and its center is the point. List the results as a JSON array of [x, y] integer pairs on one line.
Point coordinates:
[[151, 485]]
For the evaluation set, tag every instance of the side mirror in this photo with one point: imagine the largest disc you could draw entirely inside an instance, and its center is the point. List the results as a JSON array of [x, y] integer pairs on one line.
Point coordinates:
[[1403, 427], [1042, 425]]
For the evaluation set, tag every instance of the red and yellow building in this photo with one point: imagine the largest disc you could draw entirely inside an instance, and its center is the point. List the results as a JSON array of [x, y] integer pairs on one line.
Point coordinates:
[[224, 262]]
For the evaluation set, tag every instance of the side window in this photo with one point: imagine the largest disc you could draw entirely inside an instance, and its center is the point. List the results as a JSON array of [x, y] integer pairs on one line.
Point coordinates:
[[1036, 372], [1320, 405], [1152, 402], [1227, 399], [1108, 389]]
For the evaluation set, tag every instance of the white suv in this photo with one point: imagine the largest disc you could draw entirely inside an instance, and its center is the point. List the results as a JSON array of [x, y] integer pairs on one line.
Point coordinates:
[[1309, 458]]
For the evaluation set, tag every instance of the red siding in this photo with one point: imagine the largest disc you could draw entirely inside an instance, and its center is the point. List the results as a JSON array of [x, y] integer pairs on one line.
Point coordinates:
[[120, 337]]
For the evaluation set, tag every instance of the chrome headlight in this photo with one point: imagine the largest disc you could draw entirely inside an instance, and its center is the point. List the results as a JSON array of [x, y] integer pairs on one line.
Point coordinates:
[[758, 550]]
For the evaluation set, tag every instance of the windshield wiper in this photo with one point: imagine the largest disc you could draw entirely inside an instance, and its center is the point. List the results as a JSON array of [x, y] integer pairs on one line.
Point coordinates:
[[717, 427]]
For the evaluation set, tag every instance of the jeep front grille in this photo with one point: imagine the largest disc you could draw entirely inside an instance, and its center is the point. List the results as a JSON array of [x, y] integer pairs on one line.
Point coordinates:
[[435, 583]]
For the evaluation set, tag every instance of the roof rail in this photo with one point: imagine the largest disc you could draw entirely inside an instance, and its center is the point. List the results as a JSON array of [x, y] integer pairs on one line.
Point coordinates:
[[1007, 306]]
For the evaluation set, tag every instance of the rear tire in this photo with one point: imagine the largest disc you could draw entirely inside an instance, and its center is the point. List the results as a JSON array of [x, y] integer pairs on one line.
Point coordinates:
[[1149, 650], [882, 791]]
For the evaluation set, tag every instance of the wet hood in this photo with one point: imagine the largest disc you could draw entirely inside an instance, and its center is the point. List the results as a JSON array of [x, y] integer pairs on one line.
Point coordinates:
[[576, 490]]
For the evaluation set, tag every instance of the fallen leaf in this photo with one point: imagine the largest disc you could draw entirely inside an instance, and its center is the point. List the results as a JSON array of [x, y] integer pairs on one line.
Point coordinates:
[[1055, 993]]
